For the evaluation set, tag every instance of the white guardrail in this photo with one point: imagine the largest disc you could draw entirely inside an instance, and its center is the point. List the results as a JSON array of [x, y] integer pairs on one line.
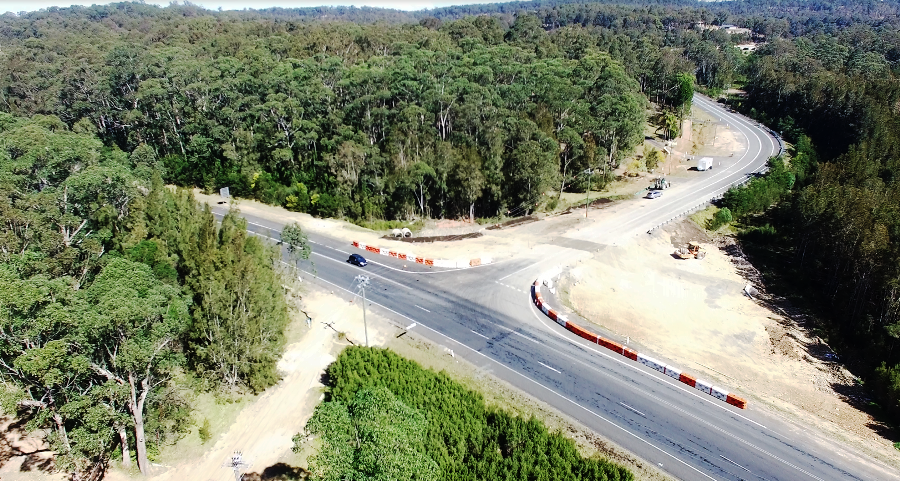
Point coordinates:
[[721, 192]]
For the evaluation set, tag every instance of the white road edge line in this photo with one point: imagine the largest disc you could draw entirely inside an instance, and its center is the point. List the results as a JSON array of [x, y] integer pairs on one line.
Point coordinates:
[[663, 378], [632, 409], [533, 381], [420, 307], [702, 398], [367, 273], [479, 334], [550, 368]]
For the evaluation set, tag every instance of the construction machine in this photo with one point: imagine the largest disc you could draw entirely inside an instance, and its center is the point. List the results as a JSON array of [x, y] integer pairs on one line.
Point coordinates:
[[660, 183], [693, 249]]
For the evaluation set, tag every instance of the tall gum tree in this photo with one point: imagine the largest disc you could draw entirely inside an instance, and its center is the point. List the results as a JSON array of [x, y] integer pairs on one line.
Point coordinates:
[[132, 327]]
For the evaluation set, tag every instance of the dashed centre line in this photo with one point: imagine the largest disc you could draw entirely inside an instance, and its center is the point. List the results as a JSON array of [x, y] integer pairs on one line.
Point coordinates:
[[420, 307], [734, 463], [479, 334], [550, 368], [508, 286], [632, 409]]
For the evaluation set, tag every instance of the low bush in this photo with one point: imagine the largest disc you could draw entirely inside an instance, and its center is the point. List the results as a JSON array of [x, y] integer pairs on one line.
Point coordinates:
[[463, 436]]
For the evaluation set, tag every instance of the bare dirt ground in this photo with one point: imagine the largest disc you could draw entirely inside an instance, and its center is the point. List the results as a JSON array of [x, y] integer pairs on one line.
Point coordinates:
[[264, 428], [712, 137], [496, 246], [695, 314], [24, 457]]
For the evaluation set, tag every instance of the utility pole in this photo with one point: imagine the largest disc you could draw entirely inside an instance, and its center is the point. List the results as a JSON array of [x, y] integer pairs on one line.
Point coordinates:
[[237, 463], [361, 283], [587, 196]]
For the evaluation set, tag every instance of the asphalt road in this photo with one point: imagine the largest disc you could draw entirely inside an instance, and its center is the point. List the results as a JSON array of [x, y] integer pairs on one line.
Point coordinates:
[[485, 315]]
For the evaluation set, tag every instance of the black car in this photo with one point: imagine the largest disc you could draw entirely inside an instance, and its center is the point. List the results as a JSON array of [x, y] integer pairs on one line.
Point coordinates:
[[357, 260]]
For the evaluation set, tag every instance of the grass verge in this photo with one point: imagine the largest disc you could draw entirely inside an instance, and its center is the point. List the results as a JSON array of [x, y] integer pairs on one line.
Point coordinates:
[[705, 216]]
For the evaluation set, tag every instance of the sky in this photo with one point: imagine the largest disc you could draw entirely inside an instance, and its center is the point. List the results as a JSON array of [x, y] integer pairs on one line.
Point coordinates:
[[31, 5]]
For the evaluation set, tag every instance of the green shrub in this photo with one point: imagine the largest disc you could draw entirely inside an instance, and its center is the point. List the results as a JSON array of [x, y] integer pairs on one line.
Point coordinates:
[[760, 235], [552, 204], [327, 205], [886, 384], [465, 437], [722, 217], [204, 431]]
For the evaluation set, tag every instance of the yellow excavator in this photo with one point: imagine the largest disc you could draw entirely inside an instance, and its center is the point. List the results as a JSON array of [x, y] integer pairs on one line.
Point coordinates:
[[693, 249]]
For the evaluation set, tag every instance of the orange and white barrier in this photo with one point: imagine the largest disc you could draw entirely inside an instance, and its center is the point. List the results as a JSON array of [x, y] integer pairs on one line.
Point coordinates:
[[648, 361], [450, 264]]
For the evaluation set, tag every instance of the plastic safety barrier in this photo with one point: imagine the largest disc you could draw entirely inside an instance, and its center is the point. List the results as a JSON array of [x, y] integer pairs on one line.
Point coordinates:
[[447, 263], [703, 386], [736, 401], [670, 371], [673, 372]]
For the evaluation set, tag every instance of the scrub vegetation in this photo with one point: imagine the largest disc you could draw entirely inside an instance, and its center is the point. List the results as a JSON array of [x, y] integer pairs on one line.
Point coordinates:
[[114, 287], [385, 417]]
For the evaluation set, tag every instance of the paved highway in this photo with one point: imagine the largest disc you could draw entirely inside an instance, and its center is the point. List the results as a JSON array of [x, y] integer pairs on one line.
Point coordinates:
[[485, 315], [641, 215]]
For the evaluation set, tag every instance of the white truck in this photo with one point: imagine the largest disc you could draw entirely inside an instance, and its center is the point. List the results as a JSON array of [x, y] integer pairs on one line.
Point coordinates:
[[705, 163]]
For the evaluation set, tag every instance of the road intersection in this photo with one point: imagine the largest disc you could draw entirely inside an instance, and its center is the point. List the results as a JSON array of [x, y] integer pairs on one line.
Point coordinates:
[[485, 315]]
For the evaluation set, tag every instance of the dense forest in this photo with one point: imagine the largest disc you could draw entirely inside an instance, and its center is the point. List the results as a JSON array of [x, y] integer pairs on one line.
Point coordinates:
[[118, 296], [385, 417], [116, 291]]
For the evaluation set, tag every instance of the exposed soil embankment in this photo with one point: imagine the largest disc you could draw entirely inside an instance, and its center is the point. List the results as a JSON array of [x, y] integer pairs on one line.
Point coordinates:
[[435, 238], [696, 314]]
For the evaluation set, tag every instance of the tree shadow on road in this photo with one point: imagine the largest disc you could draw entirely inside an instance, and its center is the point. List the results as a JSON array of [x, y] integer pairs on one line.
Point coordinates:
[[278, 472]]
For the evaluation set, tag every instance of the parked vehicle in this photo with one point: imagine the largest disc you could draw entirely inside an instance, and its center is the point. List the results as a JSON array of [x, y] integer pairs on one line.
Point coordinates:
[[654, 194], [705, 163], [357, 259]]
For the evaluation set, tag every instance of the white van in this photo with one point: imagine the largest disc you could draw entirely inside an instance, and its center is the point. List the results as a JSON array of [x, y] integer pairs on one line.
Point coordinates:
[[706, 163]]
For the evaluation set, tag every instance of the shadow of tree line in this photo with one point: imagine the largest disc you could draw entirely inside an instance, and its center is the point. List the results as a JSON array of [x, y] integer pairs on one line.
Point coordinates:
[[278, 472], [35, 460]]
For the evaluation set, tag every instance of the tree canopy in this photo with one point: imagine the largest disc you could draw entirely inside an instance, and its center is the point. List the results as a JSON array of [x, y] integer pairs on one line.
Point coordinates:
[[385, 417]]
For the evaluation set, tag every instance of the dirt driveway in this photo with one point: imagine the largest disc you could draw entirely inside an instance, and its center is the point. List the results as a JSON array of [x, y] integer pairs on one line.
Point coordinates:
[[263, 430]]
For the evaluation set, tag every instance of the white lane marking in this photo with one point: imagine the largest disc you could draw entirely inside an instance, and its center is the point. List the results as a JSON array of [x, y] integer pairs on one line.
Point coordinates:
[[635, 367], [598, 416], [736, 464], [367, 273], [478, 334], [420, 307], [702, 398], [550, 368], [532, 265], [518, 334], [632, 409], [432, 271]]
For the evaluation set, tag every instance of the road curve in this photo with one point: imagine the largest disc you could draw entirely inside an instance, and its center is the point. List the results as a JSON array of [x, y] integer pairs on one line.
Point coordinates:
[[485, 315], [641, 215]]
